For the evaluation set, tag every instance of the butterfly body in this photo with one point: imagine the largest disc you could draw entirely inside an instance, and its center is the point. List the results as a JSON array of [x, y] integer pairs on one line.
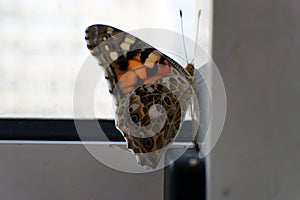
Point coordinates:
[[152, 91]]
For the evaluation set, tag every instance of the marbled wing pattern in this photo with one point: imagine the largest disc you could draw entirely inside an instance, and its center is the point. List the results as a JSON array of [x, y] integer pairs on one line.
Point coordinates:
[[152, 92]]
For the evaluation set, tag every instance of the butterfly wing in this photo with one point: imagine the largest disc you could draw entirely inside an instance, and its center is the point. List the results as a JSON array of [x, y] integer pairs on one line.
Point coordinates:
[[152, 91]]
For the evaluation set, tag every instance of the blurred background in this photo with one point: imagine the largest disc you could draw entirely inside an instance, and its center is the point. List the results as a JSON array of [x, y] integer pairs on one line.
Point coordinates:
[[43, 48], [255, 46]]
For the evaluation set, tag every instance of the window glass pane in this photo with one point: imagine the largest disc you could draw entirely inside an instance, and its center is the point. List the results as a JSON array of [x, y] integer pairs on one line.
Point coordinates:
[[43, 48]]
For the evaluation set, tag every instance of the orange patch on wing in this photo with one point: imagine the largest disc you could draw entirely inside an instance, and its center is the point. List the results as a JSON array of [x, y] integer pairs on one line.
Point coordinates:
[[127, 80], [141, 72], [127, 89], [164, 69], [134, 63]]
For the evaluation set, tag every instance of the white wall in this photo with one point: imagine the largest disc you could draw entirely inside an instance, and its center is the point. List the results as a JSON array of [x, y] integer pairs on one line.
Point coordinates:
[[60, 171], [256, 47]]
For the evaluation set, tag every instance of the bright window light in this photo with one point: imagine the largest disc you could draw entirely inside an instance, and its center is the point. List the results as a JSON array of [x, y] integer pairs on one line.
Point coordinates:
[[43, 47]]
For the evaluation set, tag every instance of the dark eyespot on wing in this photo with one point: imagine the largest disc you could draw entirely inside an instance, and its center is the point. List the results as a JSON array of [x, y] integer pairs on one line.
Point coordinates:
[[148, 143]]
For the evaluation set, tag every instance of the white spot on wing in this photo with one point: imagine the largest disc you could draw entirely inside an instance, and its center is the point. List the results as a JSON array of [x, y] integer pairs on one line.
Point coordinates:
[[129, 40], [125, 46], [109, 30], [113, 55]]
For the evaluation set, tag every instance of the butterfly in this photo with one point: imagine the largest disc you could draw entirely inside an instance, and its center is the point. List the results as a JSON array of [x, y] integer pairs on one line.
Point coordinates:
[[152, 92]]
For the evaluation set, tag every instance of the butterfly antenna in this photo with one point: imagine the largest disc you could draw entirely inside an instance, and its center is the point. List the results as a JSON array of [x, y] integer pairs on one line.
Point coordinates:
[[197, 31], [186, 59]]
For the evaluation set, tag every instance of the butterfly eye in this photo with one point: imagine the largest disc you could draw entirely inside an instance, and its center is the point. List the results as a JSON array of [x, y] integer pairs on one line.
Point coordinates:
[[148, 143]]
